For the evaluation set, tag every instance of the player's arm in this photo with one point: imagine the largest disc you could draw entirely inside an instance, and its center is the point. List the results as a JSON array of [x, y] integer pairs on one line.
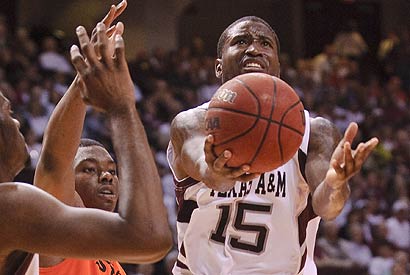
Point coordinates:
[[331, 163], [54, 172], [34, 221], [193, 154], [109, 88]]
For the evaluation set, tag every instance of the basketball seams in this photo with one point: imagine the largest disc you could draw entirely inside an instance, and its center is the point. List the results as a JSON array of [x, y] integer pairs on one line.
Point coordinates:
[[262, 141], [265, 134], [246, 123], [284, 115], [280, 127], [260, 117]]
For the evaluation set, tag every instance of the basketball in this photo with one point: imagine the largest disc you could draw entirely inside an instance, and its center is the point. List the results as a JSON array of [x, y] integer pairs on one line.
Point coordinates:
[[259, 118]]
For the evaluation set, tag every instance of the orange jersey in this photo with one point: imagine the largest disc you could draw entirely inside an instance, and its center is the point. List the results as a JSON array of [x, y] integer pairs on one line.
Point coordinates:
[[84, 267]]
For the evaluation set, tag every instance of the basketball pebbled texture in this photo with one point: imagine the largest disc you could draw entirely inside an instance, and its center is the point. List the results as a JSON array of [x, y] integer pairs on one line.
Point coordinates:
[[259, 118]]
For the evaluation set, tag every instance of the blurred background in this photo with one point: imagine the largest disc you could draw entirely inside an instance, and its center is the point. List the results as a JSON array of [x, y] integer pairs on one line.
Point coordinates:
[[348, 61]]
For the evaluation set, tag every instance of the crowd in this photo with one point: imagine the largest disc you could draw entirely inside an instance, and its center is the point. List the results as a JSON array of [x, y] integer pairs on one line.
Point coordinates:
[[371, 236]]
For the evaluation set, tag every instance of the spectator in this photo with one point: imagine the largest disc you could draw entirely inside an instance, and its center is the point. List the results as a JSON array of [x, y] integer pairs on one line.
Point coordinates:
[[383, 262], [50, 59], [356, 248], [398, 226]]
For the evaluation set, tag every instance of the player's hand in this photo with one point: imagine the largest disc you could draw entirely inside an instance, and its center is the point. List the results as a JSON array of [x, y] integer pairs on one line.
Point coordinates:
[[111, 31], [345, 161], [218, 172], [107, 80]]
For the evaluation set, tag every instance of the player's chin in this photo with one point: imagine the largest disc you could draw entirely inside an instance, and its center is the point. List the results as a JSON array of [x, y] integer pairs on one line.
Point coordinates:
[[107, 204]]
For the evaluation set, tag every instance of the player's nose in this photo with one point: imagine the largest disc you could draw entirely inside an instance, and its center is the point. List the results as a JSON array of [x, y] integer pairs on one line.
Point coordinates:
[[253, 49], [106, 177]]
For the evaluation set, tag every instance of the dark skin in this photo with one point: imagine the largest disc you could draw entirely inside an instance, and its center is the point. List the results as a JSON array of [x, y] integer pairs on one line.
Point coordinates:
[[40, 223], [250, 47], [77, 176], [96, 179]]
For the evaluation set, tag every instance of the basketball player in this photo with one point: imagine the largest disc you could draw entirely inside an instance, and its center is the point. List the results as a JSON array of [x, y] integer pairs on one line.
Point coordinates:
[[234, 222], [34, 221], [82, 176]]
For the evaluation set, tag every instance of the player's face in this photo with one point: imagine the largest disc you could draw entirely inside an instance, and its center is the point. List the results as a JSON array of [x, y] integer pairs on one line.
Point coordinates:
[[96, 179], [250, 47], [13, 150]]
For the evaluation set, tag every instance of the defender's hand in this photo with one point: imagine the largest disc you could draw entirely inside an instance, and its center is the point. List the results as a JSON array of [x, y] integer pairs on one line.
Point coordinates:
[[107, 80]]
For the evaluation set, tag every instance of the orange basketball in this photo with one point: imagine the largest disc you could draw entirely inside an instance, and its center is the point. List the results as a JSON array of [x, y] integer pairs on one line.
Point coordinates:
[[259, 118]]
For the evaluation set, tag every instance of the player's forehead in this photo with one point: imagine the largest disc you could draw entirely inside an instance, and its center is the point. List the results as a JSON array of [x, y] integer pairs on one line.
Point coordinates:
[[250, 27], [94, 153]]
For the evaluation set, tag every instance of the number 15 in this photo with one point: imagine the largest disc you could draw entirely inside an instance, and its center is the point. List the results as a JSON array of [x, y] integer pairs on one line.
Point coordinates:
[[261, 230]]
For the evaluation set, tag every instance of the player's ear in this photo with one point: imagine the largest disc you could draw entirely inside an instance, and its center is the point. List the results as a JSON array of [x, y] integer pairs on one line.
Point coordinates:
[[218, 68]]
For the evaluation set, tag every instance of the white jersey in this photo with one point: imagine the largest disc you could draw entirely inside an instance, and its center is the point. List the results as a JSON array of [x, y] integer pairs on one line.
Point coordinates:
[[258, 227]]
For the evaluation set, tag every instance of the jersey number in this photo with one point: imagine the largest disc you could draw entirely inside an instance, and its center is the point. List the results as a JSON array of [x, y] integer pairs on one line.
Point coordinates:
[[261, 230]]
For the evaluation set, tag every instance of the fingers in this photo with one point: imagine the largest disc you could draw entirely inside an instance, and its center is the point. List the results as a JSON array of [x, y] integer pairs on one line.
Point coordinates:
[[113, 13], [102, 44], [78, 60], [119, 51], [364, 149], [221, 160], [119, 28], [120, 8], [338, 168], [209, 154], [351, 132], [85, 45], [349, 162], [107, 20], [353, 161]]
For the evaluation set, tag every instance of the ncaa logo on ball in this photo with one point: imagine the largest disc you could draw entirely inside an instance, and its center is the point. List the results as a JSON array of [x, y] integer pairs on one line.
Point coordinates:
[[226, 95]]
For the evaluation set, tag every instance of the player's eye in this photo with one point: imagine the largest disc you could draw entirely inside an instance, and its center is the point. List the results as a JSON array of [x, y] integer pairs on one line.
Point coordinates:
[[266, 43], [89, 170], [240, 41], [113, 172]]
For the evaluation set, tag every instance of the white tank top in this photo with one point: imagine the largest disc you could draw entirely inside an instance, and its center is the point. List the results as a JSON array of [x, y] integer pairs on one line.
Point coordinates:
[[258, 227]]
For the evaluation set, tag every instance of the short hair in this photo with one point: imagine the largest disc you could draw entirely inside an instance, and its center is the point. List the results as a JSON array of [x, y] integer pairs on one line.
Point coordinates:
[[224, 35], [87, 142]]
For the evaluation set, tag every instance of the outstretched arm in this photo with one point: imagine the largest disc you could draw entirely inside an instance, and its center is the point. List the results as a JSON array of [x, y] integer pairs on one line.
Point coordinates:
[[331, 164], [193, 156], [109, 88], [54, 172], [34, 221]]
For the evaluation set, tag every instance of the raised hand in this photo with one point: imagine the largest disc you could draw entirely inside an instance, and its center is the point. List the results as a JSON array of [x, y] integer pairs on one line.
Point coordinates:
[[345, 161], [108, 83], [111, 31], [219, 172]]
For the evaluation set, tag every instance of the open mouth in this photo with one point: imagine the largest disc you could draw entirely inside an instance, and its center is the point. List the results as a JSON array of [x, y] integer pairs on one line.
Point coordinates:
[[253, 66], [107, 193]]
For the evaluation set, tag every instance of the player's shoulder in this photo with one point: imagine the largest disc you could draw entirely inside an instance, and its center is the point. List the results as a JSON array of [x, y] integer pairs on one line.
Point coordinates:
[[321, 125], [191, 118], [323, 134]]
